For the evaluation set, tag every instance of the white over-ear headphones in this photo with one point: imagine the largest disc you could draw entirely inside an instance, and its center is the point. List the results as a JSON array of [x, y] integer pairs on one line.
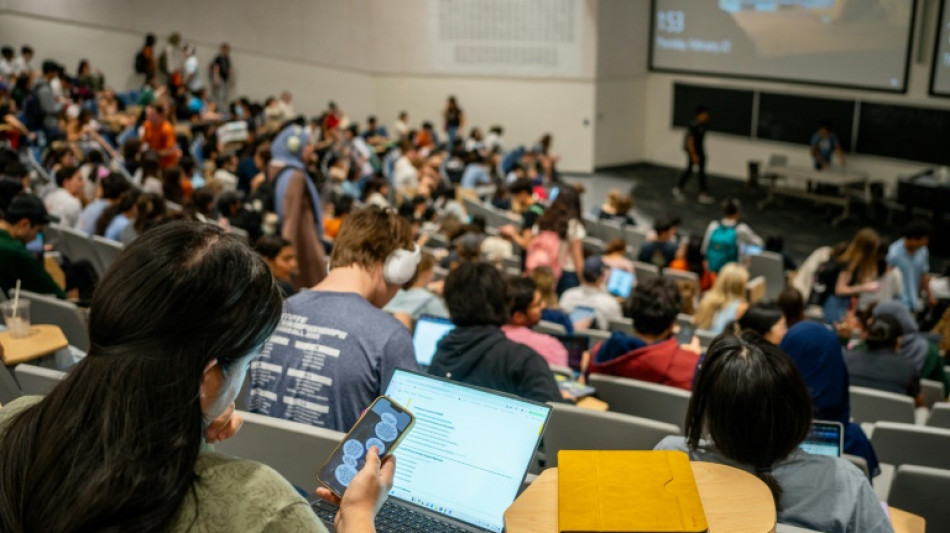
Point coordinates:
[[401, 265]]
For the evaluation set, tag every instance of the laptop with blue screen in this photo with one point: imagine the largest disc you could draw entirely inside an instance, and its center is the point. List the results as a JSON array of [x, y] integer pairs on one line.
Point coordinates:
[[426, 335], [463, 463]]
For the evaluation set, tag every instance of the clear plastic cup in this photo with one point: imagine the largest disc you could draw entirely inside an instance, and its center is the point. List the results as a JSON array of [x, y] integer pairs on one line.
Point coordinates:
[[18, 323]]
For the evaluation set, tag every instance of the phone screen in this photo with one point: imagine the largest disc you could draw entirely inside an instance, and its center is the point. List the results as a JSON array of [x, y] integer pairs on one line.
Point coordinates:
[[35, 247], [685, 334], [382, 425]]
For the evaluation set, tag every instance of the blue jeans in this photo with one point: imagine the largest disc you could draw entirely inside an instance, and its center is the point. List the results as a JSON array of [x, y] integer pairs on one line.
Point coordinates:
[[835, 308], [452, 133]]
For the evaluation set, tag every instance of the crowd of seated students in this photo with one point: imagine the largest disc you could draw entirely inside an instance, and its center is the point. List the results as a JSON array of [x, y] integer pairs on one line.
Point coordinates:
[[342, 220]]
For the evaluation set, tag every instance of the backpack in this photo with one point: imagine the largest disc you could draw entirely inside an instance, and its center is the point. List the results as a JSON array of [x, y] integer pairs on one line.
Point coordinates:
[[825, 279], [32, 111], [141, 62], [544, 250], [723, 248]]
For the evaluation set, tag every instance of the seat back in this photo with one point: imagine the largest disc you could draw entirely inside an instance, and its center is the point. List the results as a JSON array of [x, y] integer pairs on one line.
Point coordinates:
[[643, 399], [918, 490], [705, 338], [107, 250], [36, 380], [939, 416], [771, 266], [550, 328], [576, 428], [595, 335], [871, 405], [294, 450], [624, 325], [681, 275], [933, 392], [645, 271], [66, 315], [9, 388], [80, 248], [902, 444], [635, 237], [53, 235]]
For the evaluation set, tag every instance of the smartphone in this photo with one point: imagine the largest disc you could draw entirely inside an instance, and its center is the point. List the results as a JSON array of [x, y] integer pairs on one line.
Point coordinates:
[[685, 334], [35, 247], [383, 425]]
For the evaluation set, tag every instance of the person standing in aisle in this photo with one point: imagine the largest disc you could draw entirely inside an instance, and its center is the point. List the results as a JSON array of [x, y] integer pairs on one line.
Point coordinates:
[[695, 148]]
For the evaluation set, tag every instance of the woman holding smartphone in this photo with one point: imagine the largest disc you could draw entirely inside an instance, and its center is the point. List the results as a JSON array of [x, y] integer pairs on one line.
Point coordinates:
[[122, 444]]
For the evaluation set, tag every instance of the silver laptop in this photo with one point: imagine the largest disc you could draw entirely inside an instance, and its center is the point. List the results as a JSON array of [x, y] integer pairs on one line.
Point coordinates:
[[461, 466]]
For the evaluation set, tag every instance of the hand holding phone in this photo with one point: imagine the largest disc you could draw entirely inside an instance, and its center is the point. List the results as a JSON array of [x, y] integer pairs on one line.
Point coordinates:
[[382, 427]]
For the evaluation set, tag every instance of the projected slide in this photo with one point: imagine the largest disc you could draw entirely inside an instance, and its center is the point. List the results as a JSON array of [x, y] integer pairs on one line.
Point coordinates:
[[940, 81], [856, 43]]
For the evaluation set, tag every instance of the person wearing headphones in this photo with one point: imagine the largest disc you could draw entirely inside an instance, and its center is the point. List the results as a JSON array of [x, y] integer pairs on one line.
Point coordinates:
[[335, 350], [297, 203]]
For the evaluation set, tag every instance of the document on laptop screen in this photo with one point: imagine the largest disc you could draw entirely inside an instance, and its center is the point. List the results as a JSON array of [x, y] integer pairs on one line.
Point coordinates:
[[469, 450]]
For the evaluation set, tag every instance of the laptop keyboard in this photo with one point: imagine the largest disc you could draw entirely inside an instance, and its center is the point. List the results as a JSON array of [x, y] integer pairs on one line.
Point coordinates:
[[394, 518]]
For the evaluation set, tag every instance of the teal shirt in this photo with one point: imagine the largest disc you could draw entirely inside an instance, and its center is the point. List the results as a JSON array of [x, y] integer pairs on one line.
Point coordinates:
[[17, 263]]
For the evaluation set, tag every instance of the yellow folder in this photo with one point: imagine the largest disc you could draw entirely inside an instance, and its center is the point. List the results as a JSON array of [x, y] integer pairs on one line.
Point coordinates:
[[627, 492]]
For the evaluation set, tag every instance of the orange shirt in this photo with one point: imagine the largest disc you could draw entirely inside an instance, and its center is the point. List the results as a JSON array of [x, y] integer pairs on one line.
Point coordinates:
[[331, 227], [161, 137]]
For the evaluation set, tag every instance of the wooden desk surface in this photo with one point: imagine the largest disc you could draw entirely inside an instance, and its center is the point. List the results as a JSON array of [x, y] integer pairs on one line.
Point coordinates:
[[43, 340], [734, 501]]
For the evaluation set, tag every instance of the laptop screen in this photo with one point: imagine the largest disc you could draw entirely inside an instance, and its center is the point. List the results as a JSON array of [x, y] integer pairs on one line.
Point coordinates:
[[620, 282], [824, 438], [469, 450], [429, 331], [575, 345]]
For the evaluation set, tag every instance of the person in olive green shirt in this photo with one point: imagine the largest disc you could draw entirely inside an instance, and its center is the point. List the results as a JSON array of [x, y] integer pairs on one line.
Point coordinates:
[[23, 219], [123, 443]]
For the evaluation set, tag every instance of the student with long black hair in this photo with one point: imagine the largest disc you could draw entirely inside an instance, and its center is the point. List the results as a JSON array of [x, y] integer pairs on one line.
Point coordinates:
[[122, 443], [751, 409]]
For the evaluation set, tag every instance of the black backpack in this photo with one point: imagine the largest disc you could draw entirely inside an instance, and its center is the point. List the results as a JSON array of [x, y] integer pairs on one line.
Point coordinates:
[[33, 111], [141, 62], [823, 286]]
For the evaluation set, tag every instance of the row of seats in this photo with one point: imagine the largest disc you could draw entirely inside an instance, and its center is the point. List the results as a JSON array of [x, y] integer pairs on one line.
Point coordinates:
[[297, 450], [77, 246]]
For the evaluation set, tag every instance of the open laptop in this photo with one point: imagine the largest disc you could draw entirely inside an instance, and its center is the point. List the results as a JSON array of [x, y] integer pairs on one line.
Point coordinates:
[[426, 336], [824, 438], [620, 282], [461, 466], [575, 345]]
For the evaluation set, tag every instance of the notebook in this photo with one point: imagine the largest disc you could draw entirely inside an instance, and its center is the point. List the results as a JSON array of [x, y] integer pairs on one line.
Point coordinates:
[[628, 492], [428, 332], [824, 438], [465, 459]]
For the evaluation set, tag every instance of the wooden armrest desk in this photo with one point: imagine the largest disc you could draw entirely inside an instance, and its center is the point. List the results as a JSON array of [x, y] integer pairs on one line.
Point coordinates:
[[734, 501], [44, 339]]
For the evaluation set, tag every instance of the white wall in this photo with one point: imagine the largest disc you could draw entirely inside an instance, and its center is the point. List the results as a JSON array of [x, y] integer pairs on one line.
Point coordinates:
[[623, 28], [728, 155], [370, 56], [525, 107], [257, 76]]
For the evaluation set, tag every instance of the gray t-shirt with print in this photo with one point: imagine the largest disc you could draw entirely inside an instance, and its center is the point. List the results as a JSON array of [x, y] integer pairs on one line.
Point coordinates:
[[331, 356]]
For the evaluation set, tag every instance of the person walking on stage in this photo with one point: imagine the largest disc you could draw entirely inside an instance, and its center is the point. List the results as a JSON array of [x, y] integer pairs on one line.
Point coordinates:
[[694, 145]]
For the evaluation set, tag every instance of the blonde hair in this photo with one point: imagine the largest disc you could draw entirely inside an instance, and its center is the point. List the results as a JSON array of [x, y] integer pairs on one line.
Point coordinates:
[[730, 285], [543, 277], [621, 203], [860, 257]]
